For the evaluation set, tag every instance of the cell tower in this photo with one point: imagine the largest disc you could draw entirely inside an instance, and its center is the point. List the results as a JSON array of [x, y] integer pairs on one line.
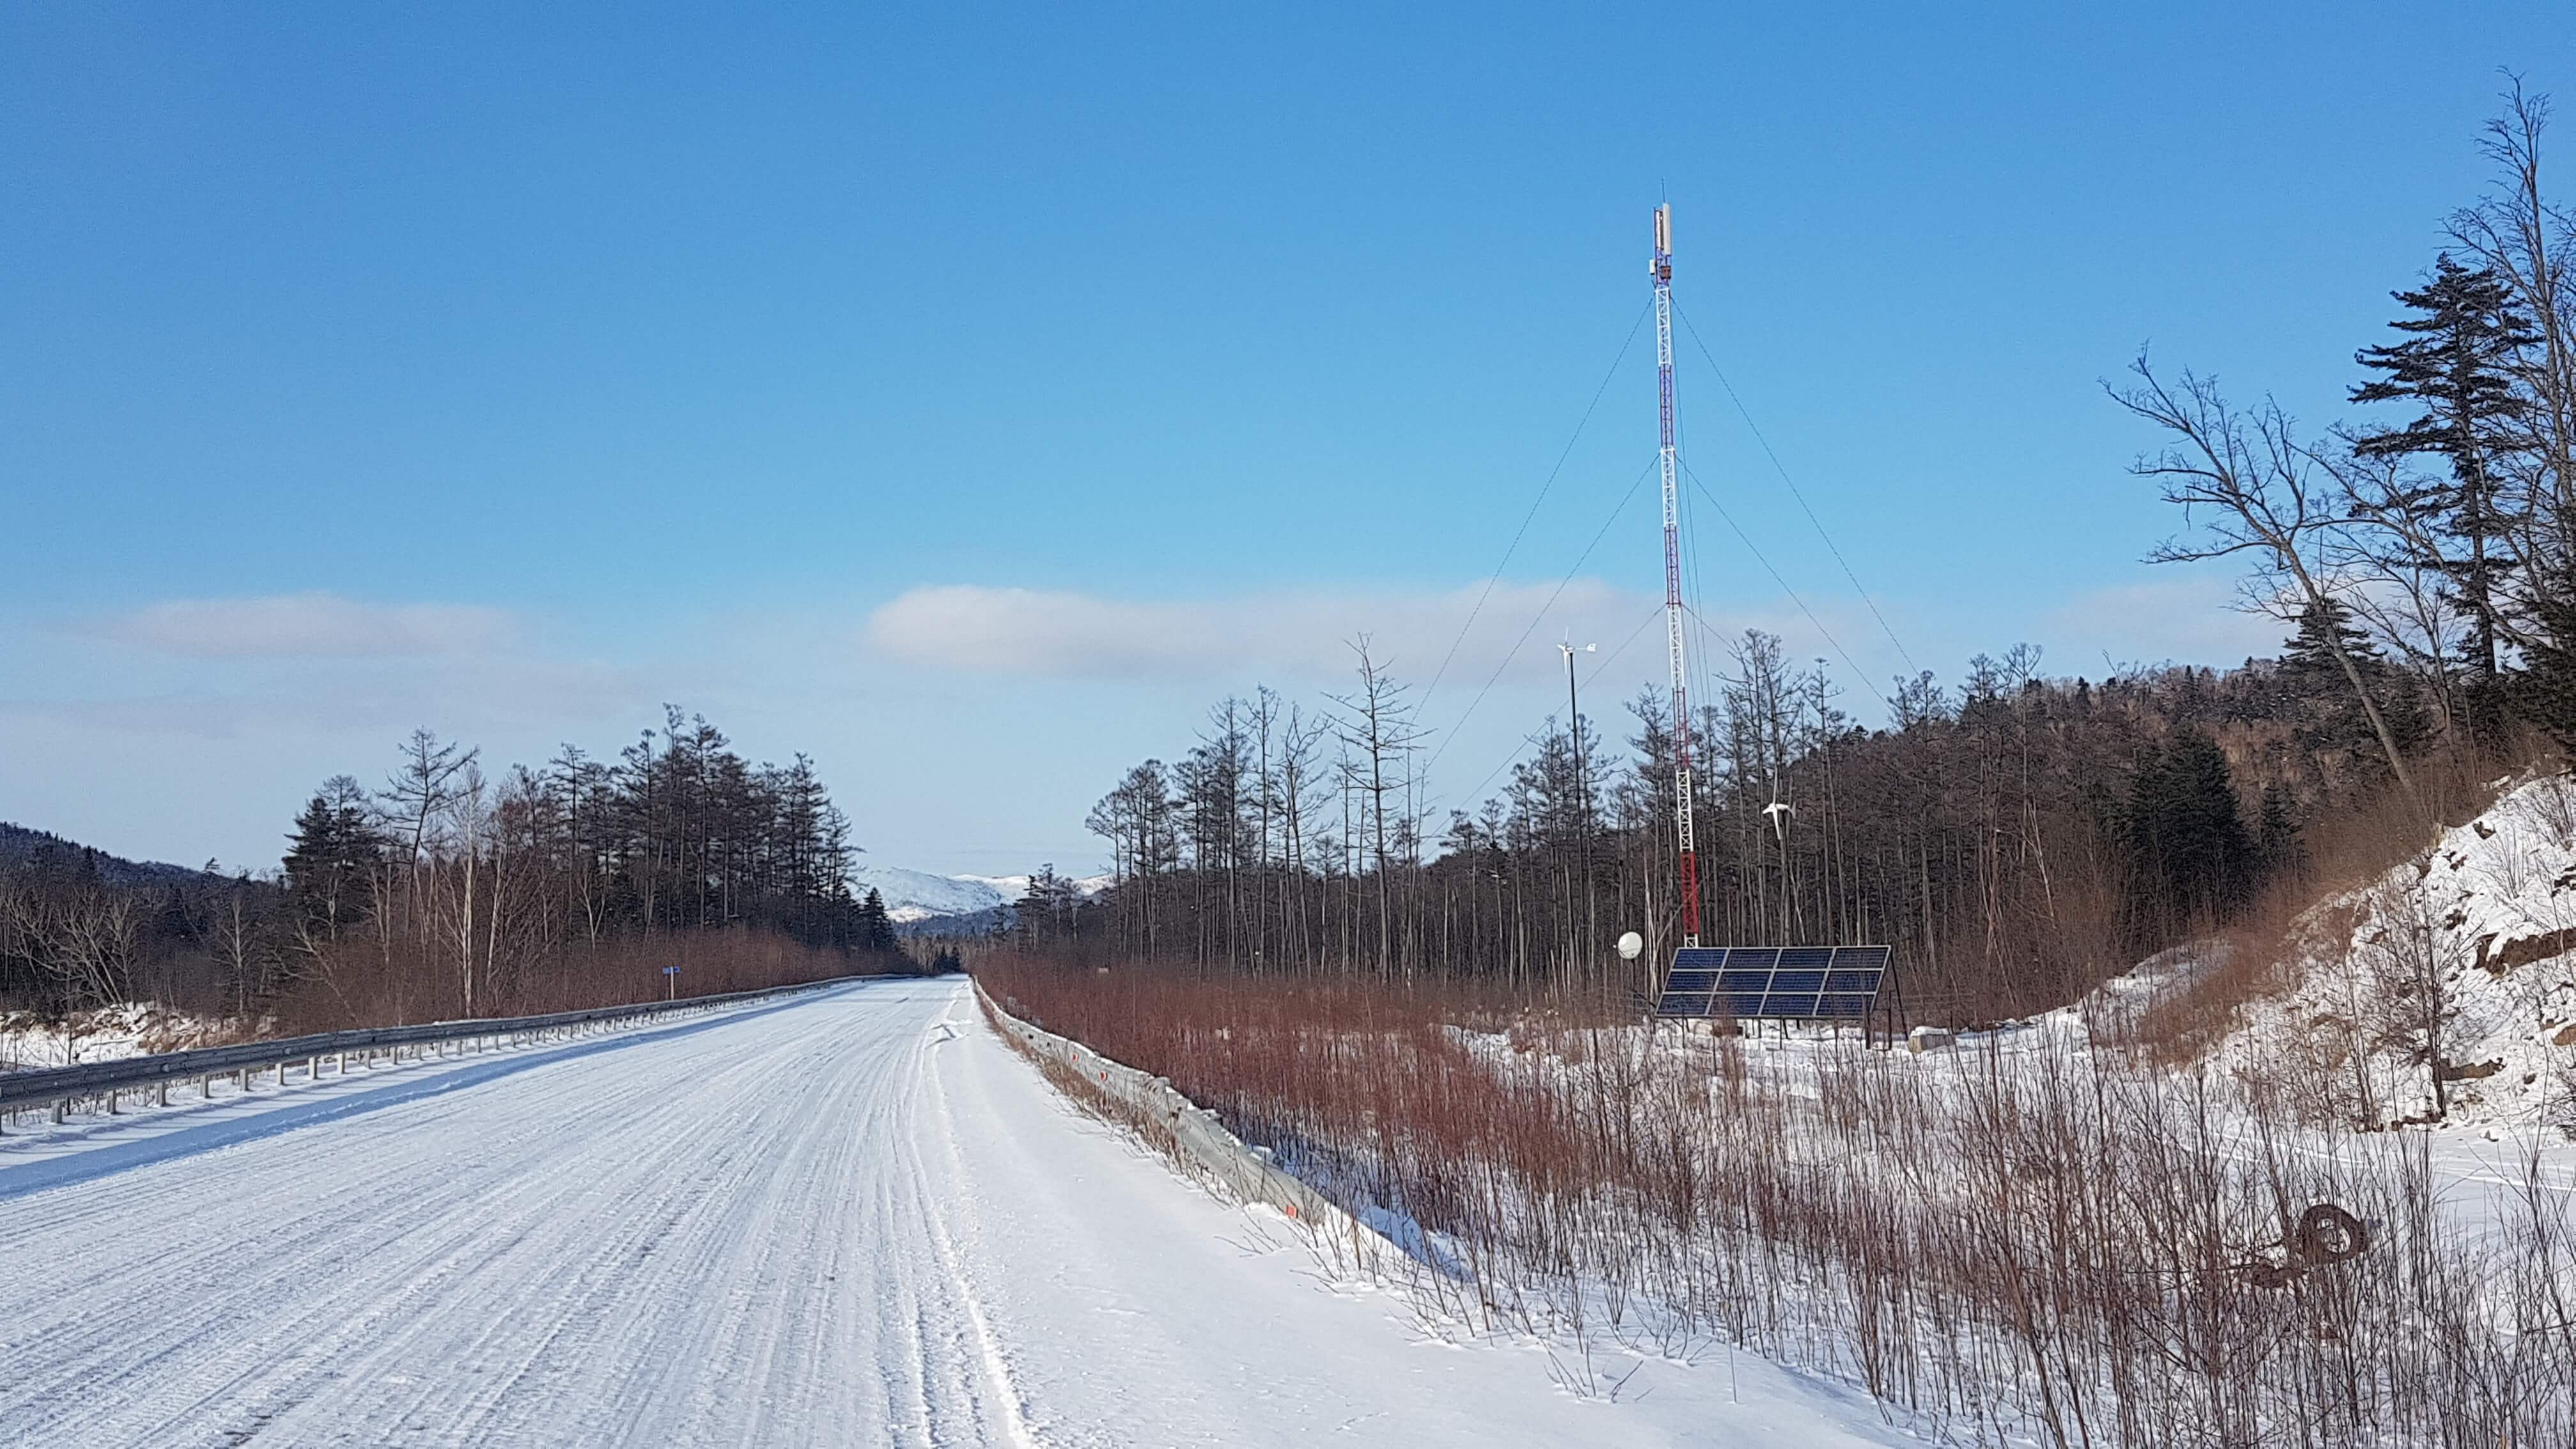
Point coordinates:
[[1662, 268]]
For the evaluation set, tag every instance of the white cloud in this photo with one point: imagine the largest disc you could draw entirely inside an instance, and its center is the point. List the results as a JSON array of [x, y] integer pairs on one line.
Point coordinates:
[[1299, 634], [305, 701], [310, 626], [2183, 618]]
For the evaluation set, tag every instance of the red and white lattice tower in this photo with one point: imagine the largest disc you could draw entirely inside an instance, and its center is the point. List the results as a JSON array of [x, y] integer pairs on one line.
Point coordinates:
[[1663, 274]]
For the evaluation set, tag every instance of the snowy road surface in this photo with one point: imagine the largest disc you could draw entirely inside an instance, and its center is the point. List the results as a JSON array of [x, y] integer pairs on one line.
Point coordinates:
[[855, 1218]]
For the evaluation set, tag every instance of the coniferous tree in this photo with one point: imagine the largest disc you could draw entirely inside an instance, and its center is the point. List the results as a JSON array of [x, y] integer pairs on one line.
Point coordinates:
[[2276, 832], [2457, 362], [876, 928], [2330, 718], [2546, 692], [334, 847]]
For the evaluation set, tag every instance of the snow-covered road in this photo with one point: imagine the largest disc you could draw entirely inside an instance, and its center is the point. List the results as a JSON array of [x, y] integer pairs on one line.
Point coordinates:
[[853, 1218]]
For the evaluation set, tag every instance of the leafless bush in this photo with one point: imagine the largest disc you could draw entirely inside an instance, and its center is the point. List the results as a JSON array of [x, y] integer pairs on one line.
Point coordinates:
[[85, 943], [2016, 1241], [2302, 921], [373, 982]]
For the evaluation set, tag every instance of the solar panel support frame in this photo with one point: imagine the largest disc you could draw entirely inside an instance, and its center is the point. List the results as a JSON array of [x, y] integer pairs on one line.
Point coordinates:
[[1707, 982]]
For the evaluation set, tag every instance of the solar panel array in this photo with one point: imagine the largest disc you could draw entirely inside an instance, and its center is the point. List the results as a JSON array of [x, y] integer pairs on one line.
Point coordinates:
[[1833, 983]]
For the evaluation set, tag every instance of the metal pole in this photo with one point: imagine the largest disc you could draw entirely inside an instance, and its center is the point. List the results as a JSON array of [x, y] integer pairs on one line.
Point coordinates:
[[1662, 270], [1582, 802]]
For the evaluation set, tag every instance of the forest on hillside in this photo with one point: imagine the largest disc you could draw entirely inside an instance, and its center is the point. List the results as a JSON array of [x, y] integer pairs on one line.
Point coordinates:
[[446, 891], [2017, 835]]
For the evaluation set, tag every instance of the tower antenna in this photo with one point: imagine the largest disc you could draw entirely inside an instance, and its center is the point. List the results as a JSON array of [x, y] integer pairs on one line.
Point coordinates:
[[1662, 269]]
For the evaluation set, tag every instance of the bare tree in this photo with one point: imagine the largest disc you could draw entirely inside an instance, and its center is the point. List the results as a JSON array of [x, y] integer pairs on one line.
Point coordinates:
[[2250, 487], [2411, 956], [2396, 557], [2516, 233], [1377, 723]]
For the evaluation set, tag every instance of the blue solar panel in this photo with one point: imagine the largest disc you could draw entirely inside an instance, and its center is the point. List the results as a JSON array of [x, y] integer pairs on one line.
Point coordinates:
[[1836, 983]]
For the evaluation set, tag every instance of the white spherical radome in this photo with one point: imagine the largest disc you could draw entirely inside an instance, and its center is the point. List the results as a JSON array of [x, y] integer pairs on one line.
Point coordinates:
[[1631, 946]]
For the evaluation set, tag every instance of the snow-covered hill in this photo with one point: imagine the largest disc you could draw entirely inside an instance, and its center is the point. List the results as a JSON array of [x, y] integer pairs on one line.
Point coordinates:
[[2461, 960], [1013, 887], [914, 895]]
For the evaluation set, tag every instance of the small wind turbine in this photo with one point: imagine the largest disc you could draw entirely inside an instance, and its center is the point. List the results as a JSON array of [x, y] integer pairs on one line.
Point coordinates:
[[1780, 811]]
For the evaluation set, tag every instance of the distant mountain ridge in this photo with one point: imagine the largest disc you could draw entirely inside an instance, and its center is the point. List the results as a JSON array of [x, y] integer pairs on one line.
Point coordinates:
[[912, 897], [915, 896], [21, 846]]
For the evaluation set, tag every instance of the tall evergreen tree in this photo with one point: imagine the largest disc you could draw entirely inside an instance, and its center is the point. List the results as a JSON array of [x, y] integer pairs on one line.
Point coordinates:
[[334, 845], [2456, 362], [2276, 832], [2188, 852], [2330, 717], [2546, 691], [876, 928]]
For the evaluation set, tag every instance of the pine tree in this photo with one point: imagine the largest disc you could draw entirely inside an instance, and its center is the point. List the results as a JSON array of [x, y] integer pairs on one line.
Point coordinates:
[[2276, 835], [2188, 853], [2332, 719], [876, 928], [334, 845], [2546, 692], [2457, 362]]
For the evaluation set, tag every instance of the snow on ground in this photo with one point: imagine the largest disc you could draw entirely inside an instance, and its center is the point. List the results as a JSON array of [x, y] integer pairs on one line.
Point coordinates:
[[2483, 922], [108, 1034], [851, 1217]]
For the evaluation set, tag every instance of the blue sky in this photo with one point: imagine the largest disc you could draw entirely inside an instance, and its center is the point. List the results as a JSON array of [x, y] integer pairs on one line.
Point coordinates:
[[967, 396]]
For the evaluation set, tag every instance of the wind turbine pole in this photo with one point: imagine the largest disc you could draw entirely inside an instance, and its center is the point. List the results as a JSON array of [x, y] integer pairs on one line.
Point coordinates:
[[1662, 269]]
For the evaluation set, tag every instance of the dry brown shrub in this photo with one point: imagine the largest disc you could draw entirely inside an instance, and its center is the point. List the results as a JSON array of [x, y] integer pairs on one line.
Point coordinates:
[[2009, 1243]]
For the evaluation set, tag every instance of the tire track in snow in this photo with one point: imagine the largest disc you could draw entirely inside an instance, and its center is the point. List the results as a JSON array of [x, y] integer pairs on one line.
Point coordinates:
[[694, 1242], [735, 1234], [996, 1367]]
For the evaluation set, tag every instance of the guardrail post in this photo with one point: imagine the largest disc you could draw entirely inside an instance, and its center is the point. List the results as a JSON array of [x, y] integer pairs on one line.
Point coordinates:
[[60, 1106]]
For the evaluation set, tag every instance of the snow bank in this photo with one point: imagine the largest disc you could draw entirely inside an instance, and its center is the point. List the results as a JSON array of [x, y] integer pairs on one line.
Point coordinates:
[[109, 1034], [2461, 960]]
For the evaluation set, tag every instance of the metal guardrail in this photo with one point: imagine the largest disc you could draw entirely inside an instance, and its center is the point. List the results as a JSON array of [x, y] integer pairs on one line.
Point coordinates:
[[61, 1086]]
